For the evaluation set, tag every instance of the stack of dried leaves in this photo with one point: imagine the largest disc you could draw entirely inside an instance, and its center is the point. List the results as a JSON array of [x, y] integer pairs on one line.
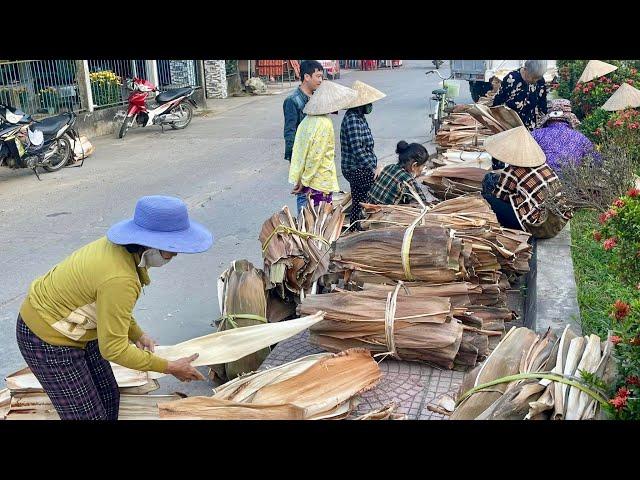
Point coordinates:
[[411, 322], [529, 376], [309, 388], [453, 181], [462, 158], [24, 397], [424, 253], [472, 220], [295, 250], [470, 125], [462, 131]]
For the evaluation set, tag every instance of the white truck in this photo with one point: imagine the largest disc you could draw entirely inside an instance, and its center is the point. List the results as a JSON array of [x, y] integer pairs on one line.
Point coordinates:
[[479, 72]]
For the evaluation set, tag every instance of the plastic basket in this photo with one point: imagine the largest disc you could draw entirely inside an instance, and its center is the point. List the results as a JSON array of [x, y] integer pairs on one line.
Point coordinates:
[[453, 88]]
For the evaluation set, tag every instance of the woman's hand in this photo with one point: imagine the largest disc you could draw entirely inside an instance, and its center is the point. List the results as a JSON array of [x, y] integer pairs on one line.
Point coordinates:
[[182, 369], [145, 342], [297, 189], [377, 172]]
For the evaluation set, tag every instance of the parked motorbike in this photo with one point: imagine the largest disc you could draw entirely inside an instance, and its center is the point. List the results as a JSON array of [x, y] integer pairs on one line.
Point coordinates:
[[173, 106], [29, 143]]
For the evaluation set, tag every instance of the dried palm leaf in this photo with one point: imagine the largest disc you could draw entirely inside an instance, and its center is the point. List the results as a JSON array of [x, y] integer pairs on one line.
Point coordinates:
[[577, 401], [295, 251], [504, 360], [327, 383], [429, 254], [559, 389], [321, 386], [231, 345], [211, 408], [471, 219], [592, 407], [25, 381], [243, 388], [150, 386], [412, 327], [514, 404], [543, 404], [242, 300], [573, 357], [37, 406]]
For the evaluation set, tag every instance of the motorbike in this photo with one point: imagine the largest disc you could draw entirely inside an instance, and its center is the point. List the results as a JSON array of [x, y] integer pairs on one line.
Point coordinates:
[[173, 106], [29, 143]]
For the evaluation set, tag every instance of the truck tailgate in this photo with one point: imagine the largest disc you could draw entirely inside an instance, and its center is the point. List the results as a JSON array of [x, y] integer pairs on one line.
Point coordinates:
[[468, 69]]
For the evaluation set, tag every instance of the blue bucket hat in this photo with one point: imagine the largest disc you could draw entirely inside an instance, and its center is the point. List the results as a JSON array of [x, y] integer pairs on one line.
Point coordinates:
[[162, 222]]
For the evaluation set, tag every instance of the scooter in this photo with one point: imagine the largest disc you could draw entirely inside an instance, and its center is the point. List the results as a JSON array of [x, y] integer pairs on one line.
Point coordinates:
[[28, 143], [173, 106]]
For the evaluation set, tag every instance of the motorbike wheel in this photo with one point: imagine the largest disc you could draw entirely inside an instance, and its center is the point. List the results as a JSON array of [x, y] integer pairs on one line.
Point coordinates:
[[184, 109], [61, 158], [126, 125]]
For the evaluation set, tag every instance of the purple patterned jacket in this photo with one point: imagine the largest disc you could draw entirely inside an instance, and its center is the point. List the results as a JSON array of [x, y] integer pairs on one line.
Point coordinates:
[[560, 143]]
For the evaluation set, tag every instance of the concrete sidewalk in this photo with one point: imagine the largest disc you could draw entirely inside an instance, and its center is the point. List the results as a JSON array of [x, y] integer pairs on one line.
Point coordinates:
[[216, 106]]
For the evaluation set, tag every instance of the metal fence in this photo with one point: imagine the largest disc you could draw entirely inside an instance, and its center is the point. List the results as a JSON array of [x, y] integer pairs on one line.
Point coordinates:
[[48, 87], [178, 73], [40, 87], [108, 80]]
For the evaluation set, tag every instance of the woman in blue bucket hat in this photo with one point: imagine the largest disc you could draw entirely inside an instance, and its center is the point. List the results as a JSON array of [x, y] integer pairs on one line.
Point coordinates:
[[78, 316]]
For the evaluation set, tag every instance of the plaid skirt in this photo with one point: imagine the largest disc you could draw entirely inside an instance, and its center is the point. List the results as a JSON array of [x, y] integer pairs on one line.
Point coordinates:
[[79, 382]]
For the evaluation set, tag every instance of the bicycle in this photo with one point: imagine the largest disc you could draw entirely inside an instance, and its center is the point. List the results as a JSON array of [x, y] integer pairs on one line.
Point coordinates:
[[443, 106]]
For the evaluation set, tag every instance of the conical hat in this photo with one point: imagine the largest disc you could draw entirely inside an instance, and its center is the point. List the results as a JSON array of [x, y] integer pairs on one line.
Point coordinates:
[[596, 69], [516, 147], [366, 94], [329, 97], [625, 97]]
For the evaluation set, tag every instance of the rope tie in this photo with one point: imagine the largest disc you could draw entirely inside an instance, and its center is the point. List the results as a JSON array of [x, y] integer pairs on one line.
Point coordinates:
[[389, 320], [231, 318]]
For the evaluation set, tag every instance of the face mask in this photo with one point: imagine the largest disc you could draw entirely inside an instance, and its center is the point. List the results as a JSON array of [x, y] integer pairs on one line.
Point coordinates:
[[152, 258], [368, 108]]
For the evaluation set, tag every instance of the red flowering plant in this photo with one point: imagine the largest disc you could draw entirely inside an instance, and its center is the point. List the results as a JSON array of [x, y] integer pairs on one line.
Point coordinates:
[[624, 392], [624, 128], [588, 96], [620, 234]]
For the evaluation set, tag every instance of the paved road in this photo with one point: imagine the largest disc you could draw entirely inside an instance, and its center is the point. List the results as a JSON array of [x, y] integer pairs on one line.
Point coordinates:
[[228, 167]]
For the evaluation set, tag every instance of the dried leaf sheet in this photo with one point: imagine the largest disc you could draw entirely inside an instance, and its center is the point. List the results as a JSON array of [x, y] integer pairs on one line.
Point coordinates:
[[320, 386], [231, 345], [37, 406]]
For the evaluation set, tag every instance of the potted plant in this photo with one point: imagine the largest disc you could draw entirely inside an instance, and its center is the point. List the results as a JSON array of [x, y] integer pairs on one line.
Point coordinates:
[[49, 99], [23, 98], [106, 88]]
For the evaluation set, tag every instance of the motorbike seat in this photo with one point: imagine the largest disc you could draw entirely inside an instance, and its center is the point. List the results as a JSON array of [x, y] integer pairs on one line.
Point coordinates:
[[51, 125], [439, 91], [169, 95]]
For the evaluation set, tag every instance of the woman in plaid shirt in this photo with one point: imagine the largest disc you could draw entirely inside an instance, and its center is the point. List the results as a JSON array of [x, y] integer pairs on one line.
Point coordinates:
[[359, 162], [520, 197], [392, 185]]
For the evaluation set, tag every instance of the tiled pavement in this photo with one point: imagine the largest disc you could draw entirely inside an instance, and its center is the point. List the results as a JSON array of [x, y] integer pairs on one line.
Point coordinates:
[[411, 385]]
